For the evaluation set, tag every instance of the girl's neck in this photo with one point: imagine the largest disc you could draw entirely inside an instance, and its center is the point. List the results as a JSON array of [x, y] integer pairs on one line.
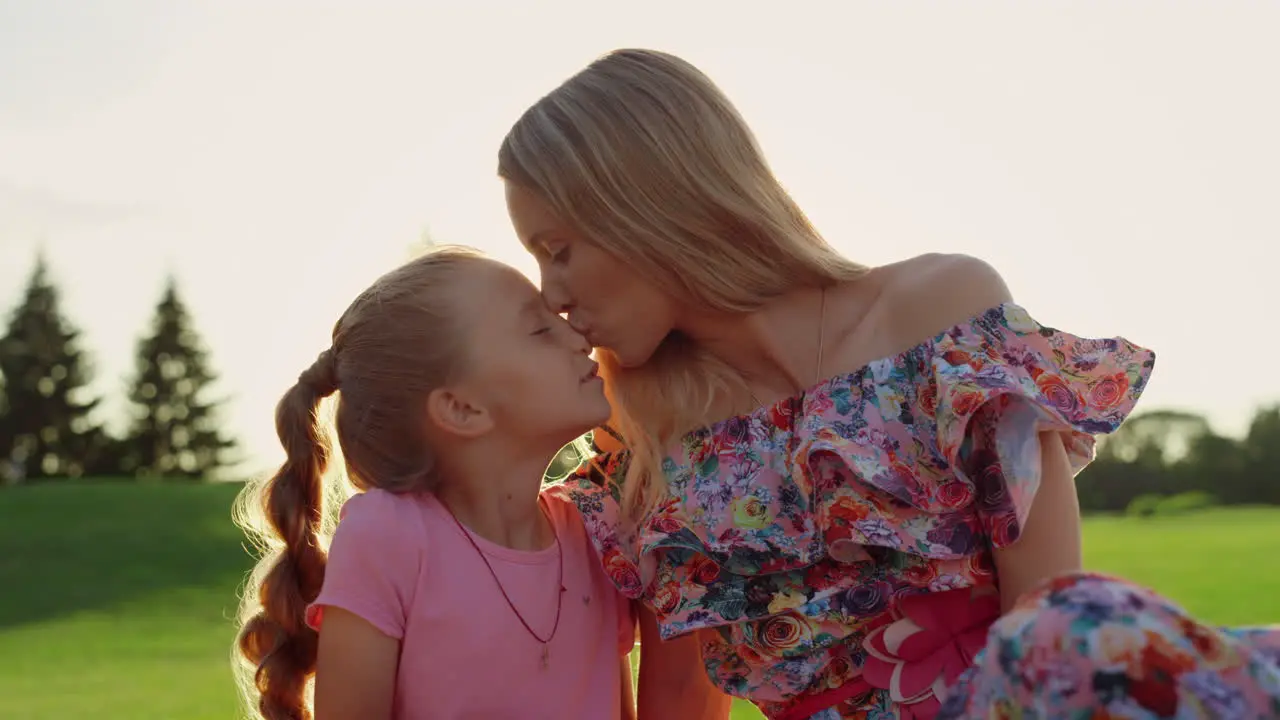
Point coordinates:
[[499, 504]]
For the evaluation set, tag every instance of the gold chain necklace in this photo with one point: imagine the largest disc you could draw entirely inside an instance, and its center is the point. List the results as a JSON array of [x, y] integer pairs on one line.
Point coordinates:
[[822, 322]]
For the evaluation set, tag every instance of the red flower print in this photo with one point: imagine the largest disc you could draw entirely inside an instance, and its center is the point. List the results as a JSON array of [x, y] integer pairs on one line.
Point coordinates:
[[955, 494], [1207, 644], [979, 566], [929, 399], [966, 404], [1163, 657], [666, 524], [847, 509], [920, 573], [1004, 528], [1059, 394], [787, 631], [1158, 695], [1109, 391], [667, 598], [839, 670], [823, 575], [621, 572], [704, 570]]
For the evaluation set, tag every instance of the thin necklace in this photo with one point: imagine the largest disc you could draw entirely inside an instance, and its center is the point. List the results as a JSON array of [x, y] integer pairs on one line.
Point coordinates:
[[546, 652], [822, 322]]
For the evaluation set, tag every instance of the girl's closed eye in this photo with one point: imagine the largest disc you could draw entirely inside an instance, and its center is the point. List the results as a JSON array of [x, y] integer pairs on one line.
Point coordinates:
[[431, 372], [545, 323]]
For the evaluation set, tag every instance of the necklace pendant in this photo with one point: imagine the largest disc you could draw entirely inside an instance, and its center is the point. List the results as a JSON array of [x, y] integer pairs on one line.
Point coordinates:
[[546, 653]]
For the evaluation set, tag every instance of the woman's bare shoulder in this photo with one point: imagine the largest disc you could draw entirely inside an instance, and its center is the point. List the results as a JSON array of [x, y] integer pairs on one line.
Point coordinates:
[[902, 303]]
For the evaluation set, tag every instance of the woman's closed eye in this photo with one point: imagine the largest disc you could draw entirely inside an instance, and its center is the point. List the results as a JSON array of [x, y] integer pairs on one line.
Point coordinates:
[[556, 252]]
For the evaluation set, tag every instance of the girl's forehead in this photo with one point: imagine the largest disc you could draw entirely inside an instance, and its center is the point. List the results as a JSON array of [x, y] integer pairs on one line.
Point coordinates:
[[501, 284]]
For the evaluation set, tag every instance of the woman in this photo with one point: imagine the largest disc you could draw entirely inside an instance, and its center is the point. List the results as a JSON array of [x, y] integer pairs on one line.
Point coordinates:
[[831, 481]]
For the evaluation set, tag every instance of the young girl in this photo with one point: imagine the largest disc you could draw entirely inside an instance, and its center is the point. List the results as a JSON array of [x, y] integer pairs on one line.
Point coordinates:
[[452, 588]]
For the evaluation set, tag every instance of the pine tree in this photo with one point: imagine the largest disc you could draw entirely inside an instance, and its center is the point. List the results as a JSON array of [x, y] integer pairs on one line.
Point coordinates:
[[45, 430], [175, 430]]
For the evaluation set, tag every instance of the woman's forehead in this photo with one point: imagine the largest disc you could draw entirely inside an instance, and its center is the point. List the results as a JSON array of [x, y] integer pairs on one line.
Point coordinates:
[[530, 217]]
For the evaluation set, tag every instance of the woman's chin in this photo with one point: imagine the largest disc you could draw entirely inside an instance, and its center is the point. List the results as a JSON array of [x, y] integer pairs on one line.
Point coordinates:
[[600, 406]]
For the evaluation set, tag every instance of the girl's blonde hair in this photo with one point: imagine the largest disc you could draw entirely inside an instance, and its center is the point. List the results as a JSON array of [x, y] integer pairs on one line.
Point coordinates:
[[399, 340], [644, 155]]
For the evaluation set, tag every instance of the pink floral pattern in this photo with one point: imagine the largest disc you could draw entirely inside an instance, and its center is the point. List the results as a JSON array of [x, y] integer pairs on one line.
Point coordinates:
[[1091, 646], [836, 548]]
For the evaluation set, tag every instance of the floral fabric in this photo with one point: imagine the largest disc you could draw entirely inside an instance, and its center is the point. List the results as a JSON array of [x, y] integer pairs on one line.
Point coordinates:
[[1088, 646], [834, 550]]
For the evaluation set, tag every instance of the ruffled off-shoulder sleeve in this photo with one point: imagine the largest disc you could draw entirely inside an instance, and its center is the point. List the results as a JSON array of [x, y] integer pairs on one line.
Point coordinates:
[[940, 455], [595, 489], [933, 452], [1001, 380]]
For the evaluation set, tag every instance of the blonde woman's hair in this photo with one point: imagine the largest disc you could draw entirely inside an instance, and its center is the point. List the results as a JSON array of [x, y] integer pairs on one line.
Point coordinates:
[[648, 159]]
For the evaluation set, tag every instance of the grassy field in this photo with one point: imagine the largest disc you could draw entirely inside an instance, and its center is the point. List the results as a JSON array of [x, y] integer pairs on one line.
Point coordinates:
[[116, 600]]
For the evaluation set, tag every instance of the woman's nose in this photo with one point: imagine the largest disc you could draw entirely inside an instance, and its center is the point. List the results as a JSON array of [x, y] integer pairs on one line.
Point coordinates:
[[554, 296]]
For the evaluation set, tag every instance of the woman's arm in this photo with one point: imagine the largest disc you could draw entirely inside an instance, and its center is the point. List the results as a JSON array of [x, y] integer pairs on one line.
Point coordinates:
[[628, 692], [673, 681], [355, 669], [940, 291], [1050, 540]]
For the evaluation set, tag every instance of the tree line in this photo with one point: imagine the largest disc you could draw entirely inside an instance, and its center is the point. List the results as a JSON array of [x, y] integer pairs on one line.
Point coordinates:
[[1173, 460], [1158, 460], [47, 419]]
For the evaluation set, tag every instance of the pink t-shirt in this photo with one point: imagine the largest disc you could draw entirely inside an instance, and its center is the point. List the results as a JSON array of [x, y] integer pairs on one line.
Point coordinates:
[[401, 563]]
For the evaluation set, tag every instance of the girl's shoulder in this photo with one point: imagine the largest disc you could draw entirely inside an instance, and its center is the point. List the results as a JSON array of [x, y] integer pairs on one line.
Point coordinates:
[[377, 506], [379, 519]]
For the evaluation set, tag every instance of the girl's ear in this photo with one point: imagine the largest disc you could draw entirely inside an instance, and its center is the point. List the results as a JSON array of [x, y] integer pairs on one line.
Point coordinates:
[[455, 413]]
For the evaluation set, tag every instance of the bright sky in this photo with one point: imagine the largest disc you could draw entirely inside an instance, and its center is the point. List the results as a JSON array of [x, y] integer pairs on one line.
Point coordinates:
[[1117, 162]]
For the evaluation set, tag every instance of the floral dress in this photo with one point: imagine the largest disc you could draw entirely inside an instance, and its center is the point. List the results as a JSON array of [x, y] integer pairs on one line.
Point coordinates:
[[833, 551]]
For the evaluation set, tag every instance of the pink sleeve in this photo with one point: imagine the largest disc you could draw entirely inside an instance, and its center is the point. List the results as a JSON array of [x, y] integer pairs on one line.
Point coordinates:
[[374, 561]]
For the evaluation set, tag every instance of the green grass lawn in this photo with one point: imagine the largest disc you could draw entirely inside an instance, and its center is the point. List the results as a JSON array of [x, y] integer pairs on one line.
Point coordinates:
[[116, 601]]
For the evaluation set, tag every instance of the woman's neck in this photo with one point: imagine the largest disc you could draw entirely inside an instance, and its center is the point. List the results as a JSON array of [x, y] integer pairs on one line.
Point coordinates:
[[773, 348], [498, 500]]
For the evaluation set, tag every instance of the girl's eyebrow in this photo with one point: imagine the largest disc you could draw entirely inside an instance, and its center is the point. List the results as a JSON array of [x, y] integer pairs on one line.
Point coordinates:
[[533, 307]]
